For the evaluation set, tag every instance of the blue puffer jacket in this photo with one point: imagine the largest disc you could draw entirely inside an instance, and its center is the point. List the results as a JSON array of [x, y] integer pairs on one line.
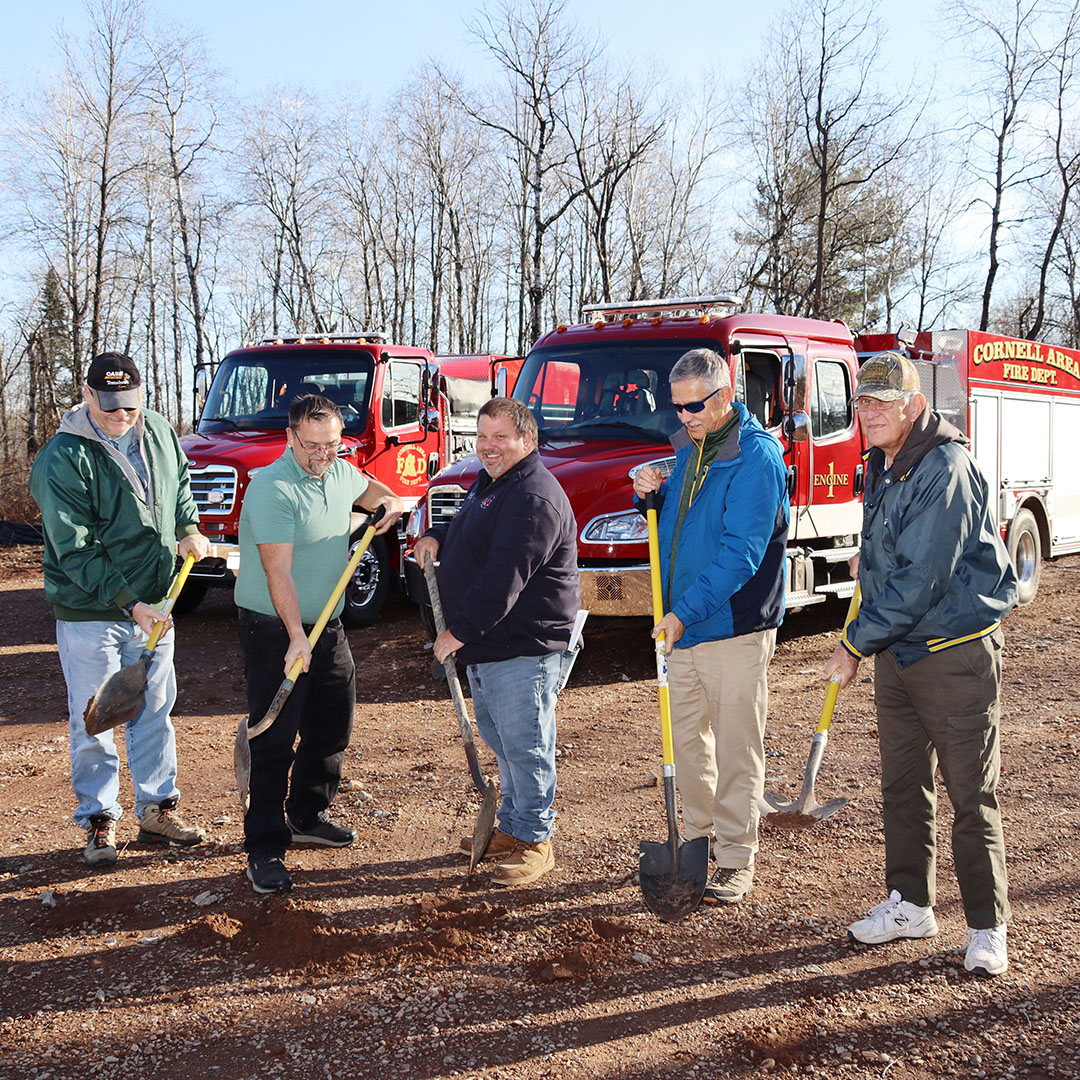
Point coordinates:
[[729, 568]]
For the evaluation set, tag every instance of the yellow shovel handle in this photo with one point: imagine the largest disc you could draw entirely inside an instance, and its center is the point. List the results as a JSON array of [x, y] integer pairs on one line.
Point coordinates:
[[834, 682], [170, 600], [339, 588], [668, 746]]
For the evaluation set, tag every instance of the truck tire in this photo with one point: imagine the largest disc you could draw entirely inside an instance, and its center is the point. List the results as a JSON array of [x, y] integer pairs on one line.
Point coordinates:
[[366, 592], [1025, 551], [191, 596]]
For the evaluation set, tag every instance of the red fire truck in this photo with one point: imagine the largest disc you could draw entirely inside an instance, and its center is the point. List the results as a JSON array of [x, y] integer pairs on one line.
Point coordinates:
[[1019, 404], [600, 393], [396, 428]]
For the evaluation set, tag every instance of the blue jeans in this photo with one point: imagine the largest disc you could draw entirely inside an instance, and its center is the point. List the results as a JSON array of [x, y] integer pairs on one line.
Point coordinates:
[[89, 652], [514, 701]]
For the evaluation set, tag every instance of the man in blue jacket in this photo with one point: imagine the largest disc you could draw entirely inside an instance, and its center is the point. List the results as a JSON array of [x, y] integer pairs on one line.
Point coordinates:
[[508, 581], [722, 533], [936, 582]]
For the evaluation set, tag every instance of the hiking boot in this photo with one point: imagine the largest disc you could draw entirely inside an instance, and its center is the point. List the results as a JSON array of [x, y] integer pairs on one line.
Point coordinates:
[[894, 919], [100, 841], [986, 952], [525, 863], [267, 874], [500, 844], [321, 830], [728, 885], [161, 824]]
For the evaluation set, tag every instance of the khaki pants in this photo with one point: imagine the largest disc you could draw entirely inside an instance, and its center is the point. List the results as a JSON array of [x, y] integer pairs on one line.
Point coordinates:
[[943, 712], [719, 701]]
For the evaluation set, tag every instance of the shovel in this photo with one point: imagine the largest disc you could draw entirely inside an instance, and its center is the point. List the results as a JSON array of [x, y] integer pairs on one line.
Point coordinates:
[[485, 819], [806, 811], [244, 733], [673, 874], [122, 695]]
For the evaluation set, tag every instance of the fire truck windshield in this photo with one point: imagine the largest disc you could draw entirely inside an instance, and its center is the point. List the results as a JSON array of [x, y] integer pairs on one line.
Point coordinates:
[[610, 390], [251, 391]]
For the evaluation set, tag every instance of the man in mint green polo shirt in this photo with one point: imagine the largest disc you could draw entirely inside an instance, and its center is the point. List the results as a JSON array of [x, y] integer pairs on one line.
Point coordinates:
[[294, 541]]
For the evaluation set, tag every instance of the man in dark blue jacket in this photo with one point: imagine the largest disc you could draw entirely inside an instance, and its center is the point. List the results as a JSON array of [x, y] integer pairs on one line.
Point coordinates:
[[508, 580], [936, 581], [722, 534]]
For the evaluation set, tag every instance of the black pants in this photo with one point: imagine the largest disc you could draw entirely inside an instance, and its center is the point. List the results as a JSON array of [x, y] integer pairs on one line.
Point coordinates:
[[320, 709]]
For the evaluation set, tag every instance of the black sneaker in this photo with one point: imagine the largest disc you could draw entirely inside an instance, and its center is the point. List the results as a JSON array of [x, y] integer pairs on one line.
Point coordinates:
[[267, 874], [322, 831]]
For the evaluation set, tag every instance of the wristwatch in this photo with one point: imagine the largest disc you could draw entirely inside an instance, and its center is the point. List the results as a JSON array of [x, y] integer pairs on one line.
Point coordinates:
[[128, 609]]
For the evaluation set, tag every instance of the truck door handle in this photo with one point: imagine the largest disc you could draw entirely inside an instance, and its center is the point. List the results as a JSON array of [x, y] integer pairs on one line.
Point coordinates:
[[857, 486], [792, 479]]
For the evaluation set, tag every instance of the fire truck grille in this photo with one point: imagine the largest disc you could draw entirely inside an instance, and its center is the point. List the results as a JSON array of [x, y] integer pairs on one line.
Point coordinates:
[[444, 503], [608, 587], [214, 488]]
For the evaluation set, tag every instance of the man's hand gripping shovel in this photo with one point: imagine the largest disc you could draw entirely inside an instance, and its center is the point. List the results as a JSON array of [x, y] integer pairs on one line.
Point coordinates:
[[244, 733], [673, 874]]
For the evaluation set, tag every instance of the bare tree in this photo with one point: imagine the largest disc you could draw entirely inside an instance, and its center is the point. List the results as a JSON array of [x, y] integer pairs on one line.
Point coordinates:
[[1002, 41]]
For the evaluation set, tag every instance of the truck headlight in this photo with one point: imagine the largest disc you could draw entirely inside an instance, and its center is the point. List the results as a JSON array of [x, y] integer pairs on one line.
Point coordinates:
[[416, 519], [626, 528]]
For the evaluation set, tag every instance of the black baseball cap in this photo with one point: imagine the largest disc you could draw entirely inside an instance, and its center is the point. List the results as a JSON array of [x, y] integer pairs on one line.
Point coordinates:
[[115, 379]]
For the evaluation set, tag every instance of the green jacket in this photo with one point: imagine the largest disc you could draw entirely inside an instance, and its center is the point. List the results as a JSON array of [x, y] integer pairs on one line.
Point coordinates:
[[106, 543]]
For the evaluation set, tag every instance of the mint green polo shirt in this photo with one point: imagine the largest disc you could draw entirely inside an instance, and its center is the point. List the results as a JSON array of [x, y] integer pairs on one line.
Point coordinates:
[[286, 505]]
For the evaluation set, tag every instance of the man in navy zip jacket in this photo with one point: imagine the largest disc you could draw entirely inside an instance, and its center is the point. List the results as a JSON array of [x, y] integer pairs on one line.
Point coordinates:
[[722, 534], [508, 581]]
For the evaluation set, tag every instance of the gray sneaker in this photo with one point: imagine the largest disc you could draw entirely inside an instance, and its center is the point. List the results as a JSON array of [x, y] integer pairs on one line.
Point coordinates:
[[728, 885], [161, 824], [100, 847]]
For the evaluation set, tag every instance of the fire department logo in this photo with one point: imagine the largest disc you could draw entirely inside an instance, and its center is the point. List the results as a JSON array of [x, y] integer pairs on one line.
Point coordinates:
[[411, 465]]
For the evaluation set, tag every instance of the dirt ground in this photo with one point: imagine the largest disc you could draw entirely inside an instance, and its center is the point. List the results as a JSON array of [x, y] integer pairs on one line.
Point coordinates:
[[387, 961]]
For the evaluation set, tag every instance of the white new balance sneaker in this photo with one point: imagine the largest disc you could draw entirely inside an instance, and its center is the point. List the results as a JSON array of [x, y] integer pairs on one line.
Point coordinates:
[[986, 951], [894, 919]]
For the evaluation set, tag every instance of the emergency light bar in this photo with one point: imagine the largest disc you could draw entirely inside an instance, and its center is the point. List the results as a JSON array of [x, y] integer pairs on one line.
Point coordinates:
[[694, 304], [360, 337]]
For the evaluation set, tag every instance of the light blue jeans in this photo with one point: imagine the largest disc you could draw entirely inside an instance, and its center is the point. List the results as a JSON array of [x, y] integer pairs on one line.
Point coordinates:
[[514, 701], [89, 653]]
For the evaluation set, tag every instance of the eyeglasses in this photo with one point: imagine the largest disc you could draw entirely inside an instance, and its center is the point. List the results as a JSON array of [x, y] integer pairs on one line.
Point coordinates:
[[876, 405], [113, 412], [695, 406], [317, 449]]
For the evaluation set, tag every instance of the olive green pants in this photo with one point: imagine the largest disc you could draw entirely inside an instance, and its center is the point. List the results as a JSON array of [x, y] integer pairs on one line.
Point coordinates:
[[943, 712]]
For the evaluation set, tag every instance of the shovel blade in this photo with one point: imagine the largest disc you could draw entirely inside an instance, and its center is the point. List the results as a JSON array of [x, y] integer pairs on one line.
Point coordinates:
[[485, 824], [672, 888], [120, 698], [801, 813], [241, 755]]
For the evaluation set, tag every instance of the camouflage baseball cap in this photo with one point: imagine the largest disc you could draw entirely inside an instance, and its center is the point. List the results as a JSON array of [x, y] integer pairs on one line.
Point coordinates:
[[887, 376]]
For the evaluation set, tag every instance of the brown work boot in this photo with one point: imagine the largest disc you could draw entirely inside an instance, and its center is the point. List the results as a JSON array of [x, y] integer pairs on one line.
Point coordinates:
[[100, 841], [501, 843], [526, 864], [162, 825]]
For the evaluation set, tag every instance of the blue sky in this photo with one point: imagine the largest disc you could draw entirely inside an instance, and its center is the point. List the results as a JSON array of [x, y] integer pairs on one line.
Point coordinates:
[[373, 45]]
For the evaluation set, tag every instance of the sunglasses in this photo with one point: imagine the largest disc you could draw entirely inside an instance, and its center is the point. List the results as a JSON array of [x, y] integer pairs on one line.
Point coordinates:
[[695, 406]]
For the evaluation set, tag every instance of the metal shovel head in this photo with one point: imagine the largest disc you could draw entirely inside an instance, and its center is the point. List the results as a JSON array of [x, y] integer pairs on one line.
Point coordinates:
[[485, 824], [241, 756], [673, 887], [119, 699], [800, 813]]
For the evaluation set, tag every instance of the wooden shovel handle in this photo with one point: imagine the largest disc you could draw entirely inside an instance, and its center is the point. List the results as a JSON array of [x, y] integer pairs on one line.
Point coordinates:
[[170, 602]]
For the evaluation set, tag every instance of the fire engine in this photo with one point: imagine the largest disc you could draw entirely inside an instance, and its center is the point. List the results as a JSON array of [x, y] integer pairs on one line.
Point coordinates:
[[600, 394], [396, 430], [1018, 402]]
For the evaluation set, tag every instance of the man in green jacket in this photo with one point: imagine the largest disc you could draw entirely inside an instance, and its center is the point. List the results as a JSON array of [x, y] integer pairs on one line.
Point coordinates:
[[114, 494]]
